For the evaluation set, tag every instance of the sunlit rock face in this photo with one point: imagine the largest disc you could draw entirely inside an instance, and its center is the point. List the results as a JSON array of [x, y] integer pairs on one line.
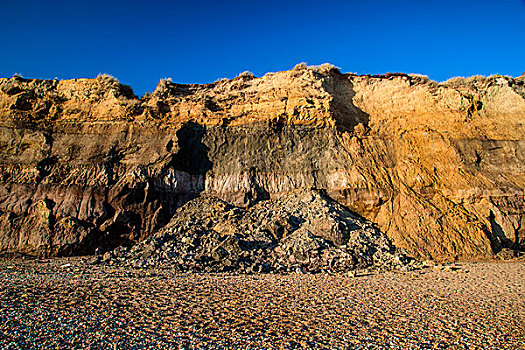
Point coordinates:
[[439, 168]]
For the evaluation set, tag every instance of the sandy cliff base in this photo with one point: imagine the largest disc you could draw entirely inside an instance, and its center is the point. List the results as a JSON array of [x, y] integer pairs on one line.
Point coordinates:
[[63, 303]]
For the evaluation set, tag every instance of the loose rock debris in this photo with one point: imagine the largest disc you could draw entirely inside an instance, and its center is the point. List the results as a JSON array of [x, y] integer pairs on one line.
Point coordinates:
[[304, 232]]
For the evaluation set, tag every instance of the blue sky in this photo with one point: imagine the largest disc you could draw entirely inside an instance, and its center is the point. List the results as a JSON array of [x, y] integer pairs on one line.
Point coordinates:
[[140, 42]]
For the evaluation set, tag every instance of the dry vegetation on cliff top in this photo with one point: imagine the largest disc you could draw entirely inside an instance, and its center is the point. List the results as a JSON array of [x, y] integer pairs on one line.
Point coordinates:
[[105, 98]]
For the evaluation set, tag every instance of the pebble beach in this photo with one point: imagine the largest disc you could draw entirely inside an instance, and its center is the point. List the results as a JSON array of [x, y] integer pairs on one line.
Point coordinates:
[[65, 303]]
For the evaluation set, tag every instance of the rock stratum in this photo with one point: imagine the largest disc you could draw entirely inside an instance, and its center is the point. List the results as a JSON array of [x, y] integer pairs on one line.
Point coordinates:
[[438, 168]]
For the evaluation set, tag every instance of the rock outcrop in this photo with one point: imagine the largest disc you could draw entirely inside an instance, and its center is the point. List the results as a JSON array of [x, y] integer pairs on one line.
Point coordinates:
[[439, 168]]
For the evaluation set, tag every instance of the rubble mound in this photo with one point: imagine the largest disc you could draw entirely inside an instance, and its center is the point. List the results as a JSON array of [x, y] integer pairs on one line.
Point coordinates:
[[304, 231]]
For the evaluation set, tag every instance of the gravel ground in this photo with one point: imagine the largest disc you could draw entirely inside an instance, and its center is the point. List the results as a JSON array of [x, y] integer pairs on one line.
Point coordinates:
[[46, 305]]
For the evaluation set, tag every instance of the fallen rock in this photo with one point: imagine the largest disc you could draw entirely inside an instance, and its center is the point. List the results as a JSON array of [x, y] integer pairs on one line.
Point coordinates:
[[302, 232]]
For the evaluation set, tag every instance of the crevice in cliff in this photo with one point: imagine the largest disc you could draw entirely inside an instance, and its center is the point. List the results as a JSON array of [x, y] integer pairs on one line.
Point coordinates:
[[346, 114], [256, 192], [111, 161], [192, 156], [518, 244], [475, 106], [44, 167], [498, 238], [478, 158]]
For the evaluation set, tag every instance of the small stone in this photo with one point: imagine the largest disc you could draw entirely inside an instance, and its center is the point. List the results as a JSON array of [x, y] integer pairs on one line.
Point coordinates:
[[428, 263], [107, 256], [94, 260]]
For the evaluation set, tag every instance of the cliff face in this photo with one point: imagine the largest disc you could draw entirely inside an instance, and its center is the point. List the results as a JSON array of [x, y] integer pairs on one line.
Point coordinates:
[[440, 168]]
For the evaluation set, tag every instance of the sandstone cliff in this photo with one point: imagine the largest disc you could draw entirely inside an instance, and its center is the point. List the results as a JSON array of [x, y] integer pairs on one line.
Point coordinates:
[[438, 167]]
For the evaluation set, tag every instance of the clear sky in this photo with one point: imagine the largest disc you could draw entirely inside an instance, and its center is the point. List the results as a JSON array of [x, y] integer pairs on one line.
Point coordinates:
[[199, 41]]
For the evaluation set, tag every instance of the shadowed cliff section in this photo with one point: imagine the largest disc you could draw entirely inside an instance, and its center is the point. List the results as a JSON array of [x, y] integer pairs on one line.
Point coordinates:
[[438, 167], [192, 156]]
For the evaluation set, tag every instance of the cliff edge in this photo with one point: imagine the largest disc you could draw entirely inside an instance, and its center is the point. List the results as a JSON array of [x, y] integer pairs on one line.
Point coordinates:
[[439, 168]]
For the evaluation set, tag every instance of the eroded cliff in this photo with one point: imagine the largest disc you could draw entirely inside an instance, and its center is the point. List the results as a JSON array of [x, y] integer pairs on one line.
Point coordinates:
[[438, 167]]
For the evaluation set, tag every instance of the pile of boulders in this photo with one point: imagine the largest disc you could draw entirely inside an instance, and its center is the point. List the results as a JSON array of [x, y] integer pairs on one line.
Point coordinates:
[[304, 231]]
